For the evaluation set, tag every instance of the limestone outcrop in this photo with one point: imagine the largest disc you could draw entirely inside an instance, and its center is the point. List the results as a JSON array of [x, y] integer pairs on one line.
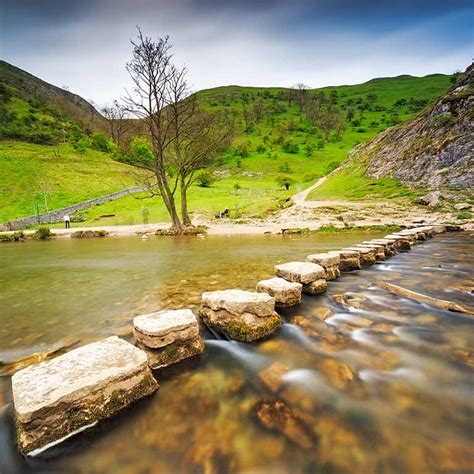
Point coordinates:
[[55, 399], [329, 261], [286, 293], [242, 315], [168, 336], [311, 275], [435, 149]]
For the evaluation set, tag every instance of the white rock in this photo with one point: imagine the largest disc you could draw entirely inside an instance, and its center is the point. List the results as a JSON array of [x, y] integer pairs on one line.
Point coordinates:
[[239, 302], [328, 259], [300, 272], [162, 328], [286, 293]]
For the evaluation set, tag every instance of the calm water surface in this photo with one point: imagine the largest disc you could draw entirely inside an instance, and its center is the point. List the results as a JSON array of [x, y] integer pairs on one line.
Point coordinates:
[[382, 386]]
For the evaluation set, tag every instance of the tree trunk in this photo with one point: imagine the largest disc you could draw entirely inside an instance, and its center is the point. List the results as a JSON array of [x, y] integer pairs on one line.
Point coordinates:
[[184, 204], [168, 199]]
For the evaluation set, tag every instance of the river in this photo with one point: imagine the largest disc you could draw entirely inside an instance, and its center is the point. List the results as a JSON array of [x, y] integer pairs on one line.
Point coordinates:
[[381, 386]]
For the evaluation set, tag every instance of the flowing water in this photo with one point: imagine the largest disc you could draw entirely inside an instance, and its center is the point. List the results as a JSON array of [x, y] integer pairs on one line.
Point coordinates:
[[382, 385]]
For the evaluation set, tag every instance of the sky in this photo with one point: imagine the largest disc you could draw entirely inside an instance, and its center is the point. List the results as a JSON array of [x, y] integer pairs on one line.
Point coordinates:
[[85, 44]]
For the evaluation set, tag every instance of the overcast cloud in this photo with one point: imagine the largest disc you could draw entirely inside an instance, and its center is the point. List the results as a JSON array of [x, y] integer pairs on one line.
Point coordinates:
[[84, 44]]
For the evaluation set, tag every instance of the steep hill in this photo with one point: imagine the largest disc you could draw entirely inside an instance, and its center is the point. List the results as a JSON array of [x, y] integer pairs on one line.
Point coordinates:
[[434, 149], [30, 101]]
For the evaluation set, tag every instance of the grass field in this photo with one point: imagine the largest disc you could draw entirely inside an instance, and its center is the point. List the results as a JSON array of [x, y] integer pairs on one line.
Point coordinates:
[[26, 170], [280, 139]]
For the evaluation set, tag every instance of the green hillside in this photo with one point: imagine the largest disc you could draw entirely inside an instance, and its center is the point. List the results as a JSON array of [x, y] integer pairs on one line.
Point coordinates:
[[275, 139], [283, 137]]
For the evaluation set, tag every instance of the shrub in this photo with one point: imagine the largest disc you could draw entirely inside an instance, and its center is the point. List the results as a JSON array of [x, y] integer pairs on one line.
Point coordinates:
[[101, 142], [331, 166], [290, 147], [80, 146], [43, 233], [205, 179]]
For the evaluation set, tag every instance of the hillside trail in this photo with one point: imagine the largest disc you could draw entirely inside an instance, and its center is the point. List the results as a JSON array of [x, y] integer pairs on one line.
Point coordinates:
[[299, 199]]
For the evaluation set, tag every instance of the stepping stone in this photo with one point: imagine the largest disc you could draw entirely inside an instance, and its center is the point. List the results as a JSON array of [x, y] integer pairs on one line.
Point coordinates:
[[390, 245], [56, 399], [349, 260], [301, 272], [168, 336], [403, 242], [286, 293], [241, 315], [329, 261], [367, 255], [379, 249], [415, 233], [311, 275]]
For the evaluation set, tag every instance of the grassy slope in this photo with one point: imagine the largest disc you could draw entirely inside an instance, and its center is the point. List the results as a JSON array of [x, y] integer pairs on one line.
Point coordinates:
[[71, 177], [258, 170], [260, 193]]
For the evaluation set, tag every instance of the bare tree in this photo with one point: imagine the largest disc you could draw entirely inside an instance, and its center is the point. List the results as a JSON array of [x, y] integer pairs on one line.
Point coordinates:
[[183, 138], [45, 189], [301, 92], [116, 115]]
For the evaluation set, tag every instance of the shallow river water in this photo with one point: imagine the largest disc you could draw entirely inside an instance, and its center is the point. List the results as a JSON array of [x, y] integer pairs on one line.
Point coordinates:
[[383, 385]]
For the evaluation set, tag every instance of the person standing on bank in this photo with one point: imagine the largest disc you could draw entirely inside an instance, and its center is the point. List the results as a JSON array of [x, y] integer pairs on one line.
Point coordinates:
[[67, 221]]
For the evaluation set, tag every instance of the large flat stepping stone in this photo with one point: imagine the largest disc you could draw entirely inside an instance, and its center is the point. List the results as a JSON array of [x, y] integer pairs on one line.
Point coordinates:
[[389, 246], [403, 242], [55, 399], [286, 293], [300, 272], [242, 315], [329, 261], [239, 302], [162, 328]]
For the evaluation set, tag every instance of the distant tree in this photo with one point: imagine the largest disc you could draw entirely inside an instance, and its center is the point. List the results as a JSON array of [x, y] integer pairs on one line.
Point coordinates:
[[116, 115], [45, 189], [301, 94], [350, 114], [285, 181]]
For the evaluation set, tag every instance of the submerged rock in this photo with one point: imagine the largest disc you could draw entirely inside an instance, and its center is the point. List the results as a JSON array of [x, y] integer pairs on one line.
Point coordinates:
[[277, 416], [54, 399], [272, 375], [286, 293], [338, 373], [242, 315]]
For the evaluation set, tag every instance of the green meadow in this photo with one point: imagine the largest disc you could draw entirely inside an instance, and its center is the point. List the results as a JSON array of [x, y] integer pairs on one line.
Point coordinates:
[[273, 138]]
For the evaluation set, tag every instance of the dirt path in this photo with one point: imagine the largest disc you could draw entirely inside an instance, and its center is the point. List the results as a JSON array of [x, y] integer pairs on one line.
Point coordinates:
[[300, 198]]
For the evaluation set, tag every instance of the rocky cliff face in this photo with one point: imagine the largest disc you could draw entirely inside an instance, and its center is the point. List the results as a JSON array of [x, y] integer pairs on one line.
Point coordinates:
[[433, 150]]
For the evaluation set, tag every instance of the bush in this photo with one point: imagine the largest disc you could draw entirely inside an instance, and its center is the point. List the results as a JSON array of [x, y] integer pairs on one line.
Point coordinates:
[[43, 233], [205, 179], [331, 166], [290, 147], [285, 181], [80, 146], [101, 142]]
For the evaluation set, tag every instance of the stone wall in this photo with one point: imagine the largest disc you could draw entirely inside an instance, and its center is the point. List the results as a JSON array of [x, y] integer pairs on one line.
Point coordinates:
[[57, 215]]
